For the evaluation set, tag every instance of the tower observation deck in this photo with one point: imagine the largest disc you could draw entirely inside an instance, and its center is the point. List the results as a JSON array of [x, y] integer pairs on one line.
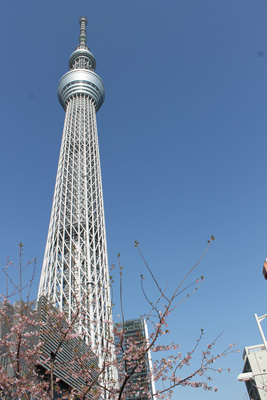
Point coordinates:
[[75, 267]]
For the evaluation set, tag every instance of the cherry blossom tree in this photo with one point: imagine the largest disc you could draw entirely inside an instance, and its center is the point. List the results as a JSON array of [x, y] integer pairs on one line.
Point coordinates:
[[43, 357]]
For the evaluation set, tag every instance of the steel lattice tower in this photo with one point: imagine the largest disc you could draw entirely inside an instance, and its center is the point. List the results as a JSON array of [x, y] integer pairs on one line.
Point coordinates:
[[75, 267]]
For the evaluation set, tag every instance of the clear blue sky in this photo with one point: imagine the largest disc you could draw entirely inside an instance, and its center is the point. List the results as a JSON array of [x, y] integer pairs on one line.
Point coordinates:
[[183, 141]]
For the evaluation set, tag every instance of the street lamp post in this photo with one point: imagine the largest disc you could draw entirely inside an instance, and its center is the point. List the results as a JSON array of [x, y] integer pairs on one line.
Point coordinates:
[[259, 319]]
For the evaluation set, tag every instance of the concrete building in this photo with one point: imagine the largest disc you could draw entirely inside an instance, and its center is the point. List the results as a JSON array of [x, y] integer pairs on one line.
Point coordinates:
[[255, 362]]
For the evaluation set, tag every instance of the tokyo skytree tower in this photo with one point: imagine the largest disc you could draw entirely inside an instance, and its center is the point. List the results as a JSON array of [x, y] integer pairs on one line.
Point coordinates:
[[75, 267]]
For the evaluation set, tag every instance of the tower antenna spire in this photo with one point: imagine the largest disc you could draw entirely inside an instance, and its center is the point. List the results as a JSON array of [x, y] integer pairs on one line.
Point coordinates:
[[83, 22]]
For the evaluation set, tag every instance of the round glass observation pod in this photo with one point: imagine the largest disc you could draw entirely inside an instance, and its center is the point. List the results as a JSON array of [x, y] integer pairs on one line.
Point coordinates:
[[79, 81], [82, 53]]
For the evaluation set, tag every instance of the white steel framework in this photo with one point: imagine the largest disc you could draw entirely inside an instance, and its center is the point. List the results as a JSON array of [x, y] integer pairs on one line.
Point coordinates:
[[75, 267]]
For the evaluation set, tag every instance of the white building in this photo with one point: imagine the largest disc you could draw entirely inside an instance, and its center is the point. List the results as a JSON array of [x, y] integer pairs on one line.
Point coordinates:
[[255, 361]]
